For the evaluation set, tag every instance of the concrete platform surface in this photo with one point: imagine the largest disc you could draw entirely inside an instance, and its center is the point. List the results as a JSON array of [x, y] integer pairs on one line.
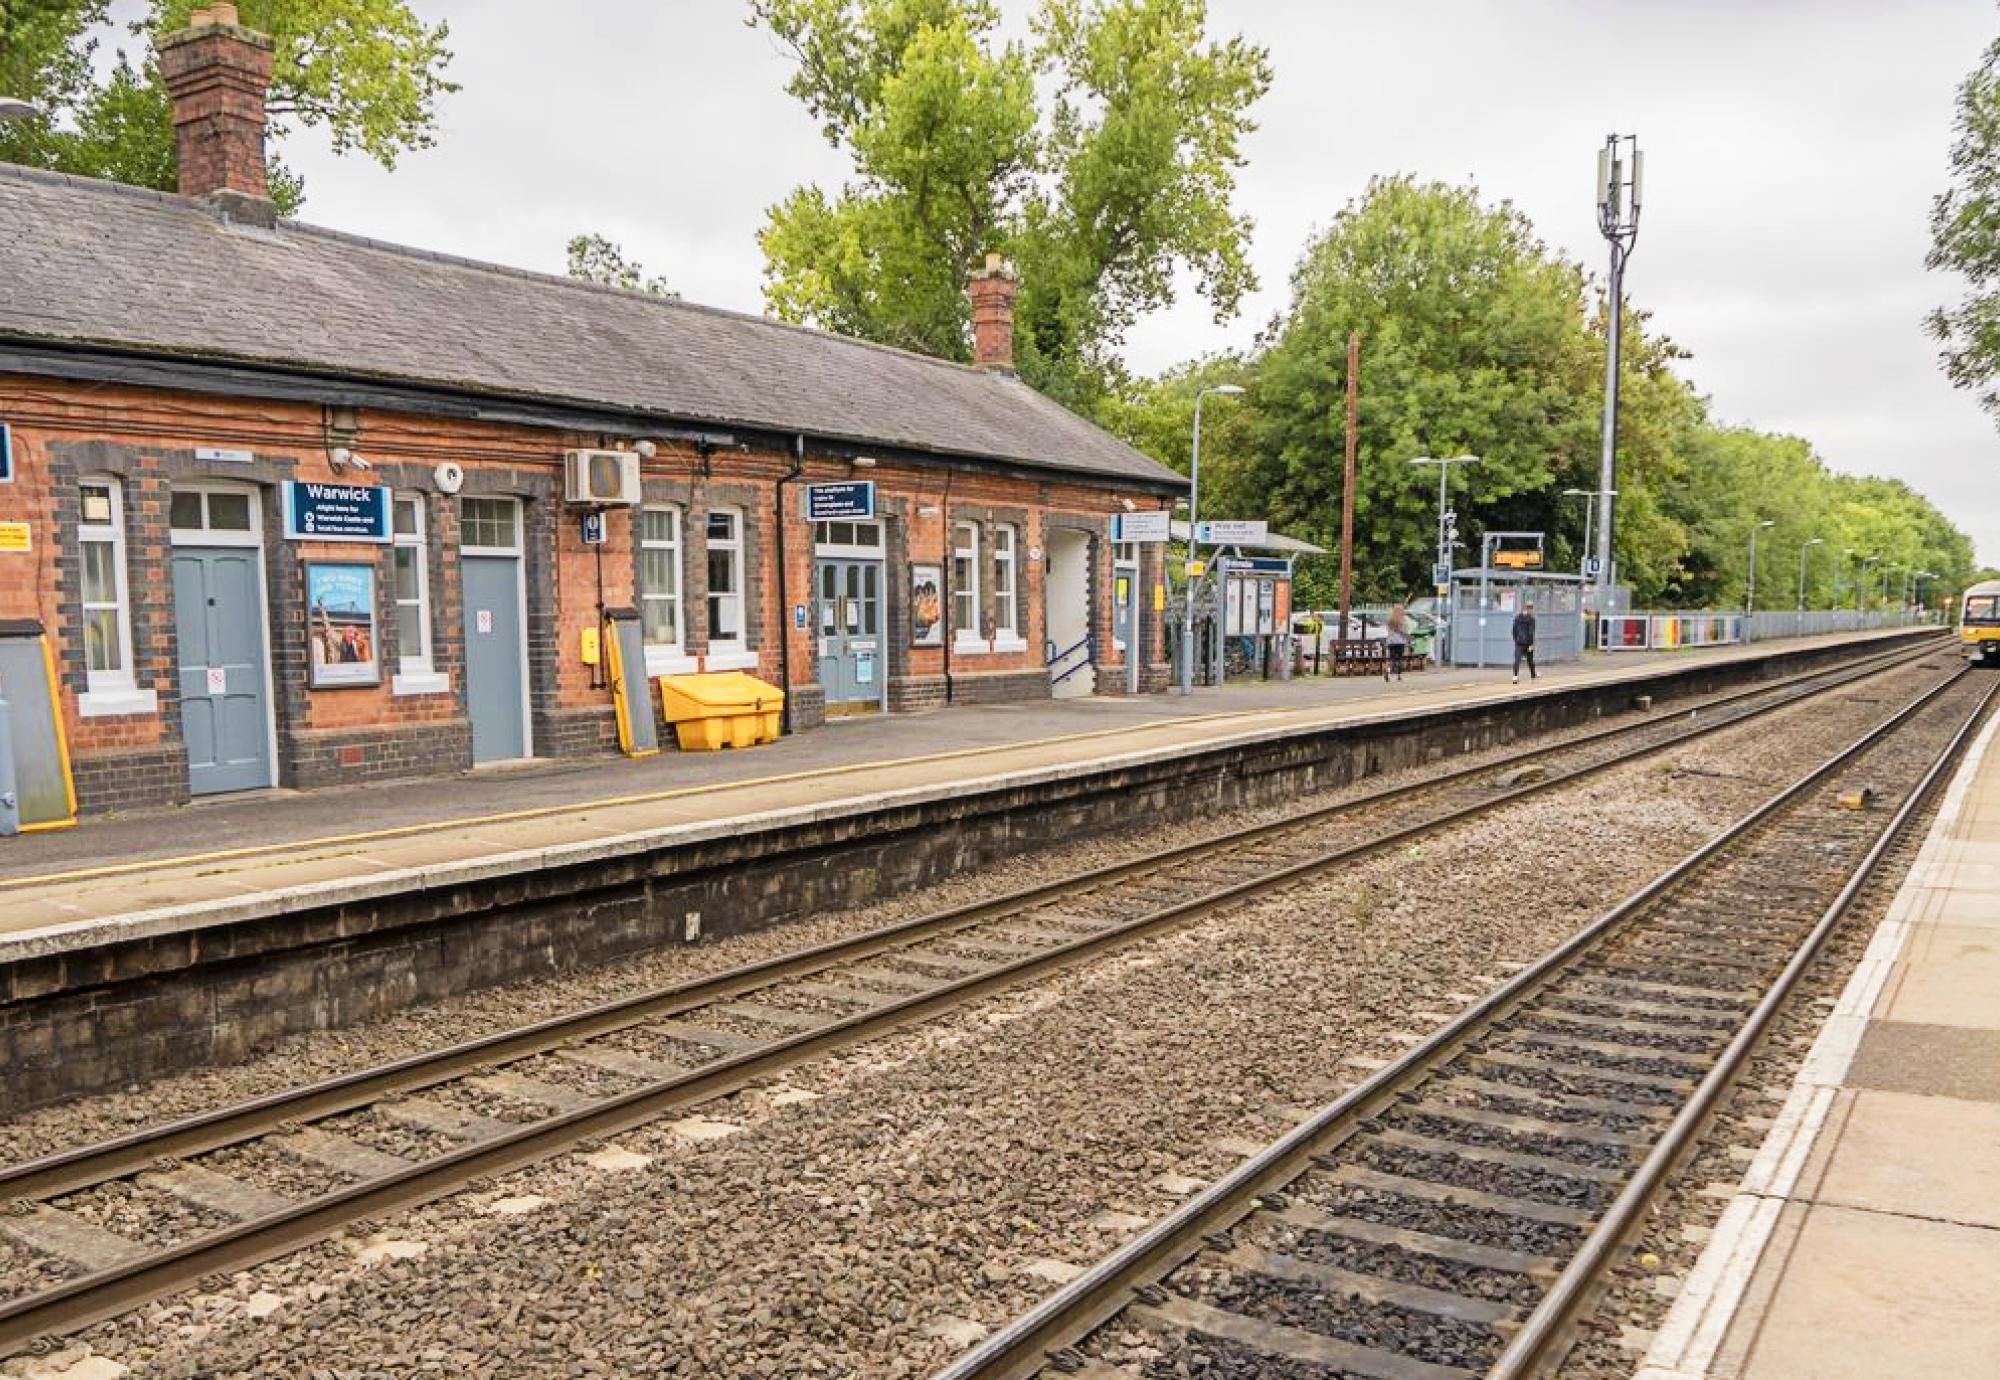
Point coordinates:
[[1864, 1243], [216, 861]]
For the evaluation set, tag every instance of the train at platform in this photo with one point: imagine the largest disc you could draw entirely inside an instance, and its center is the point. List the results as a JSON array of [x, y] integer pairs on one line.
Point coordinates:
[[1979, 623]]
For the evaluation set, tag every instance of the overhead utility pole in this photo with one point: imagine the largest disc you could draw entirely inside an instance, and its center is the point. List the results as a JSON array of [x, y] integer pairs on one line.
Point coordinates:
[[1347, 481], [1621, 171]]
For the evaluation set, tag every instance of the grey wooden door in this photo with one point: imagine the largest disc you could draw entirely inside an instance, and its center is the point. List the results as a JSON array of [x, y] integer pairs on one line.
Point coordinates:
[[496, 667], [219, 623], [851, 650]]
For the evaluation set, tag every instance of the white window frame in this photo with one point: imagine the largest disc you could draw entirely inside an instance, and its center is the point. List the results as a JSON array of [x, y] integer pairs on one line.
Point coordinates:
[[111, 692], [1007, 635], [727, 653], [665, 658], [415, 675], [964, 639], [856, 550]]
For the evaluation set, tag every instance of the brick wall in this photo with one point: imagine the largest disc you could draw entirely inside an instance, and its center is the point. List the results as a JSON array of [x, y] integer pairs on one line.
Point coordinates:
[[152, 442]]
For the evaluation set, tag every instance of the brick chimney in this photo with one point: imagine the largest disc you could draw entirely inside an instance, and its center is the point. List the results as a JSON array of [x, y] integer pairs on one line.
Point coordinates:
[[993, 290], [218, 73]]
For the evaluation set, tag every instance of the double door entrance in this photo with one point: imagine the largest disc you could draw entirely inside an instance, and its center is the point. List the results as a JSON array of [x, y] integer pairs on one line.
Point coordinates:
[[853, 662]]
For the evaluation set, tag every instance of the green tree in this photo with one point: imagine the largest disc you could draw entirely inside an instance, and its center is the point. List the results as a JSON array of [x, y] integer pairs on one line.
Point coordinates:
[[596, 259], [1100, 155], [367, 71], [1965, 237]]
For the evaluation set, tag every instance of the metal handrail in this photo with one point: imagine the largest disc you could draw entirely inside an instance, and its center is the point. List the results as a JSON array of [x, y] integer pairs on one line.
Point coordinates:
[[1087, 646]]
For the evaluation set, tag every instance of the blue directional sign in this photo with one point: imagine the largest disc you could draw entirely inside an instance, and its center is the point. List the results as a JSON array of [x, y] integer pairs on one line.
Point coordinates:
[[6, 454], [593, 528], [336, 512], [849, 498]]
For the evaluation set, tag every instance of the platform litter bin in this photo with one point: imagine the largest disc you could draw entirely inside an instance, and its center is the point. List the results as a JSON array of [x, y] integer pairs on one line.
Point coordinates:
[[719, 709]]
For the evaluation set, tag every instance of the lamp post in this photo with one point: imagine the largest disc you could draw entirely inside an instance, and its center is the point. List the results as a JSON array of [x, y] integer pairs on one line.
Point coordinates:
[[1807, 546], [1589, 497], [1750, 580], [1861, 581], [1917, 587], [1444, 464], [1621, 175], [1227, 390]]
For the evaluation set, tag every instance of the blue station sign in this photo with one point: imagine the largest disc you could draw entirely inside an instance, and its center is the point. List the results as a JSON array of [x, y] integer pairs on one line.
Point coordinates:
[[6, 454], [336, 512], [849, 498]]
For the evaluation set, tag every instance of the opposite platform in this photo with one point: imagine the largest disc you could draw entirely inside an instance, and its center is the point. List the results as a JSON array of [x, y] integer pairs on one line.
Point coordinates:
[[1864, 1241], [125, 878]]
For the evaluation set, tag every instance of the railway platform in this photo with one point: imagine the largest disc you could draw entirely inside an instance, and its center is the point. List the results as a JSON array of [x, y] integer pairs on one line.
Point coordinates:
[[211, 862], [1864, 1239]]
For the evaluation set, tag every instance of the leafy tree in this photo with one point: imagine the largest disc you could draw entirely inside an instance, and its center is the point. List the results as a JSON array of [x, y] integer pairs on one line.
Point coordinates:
[[596, 259], [369, 71], [1965, 237], [1475, 337], [1100, 156]]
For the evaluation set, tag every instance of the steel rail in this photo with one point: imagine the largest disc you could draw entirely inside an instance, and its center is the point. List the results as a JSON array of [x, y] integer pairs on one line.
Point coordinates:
[[1546, 1332], [1047, 1332], [116, 1289], [85, 1166]]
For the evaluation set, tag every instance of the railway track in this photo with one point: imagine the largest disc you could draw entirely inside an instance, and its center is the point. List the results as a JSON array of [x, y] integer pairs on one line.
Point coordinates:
[[196, 1198], [1454, 1215]]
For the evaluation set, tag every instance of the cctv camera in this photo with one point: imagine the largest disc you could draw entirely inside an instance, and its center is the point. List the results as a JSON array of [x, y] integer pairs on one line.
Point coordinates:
[[647, 450]]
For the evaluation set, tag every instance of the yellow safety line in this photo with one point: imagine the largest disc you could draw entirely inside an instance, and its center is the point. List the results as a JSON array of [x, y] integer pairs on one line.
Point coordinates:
[[606, 802]]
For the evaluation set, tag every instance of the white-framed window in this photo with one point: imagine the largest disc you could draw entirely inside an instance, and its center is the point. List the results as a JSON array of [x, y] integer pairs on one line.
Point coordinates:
[[199, 516], [660, 576], [111, 687], [965, 585], [490, 525], [841, 538], [410, 587], [1006, 596], [726, 632]]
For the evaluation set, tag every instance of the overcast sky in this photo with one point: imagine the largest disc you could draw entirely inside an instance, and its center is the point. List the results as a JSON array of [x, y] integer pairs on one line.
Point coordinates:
[[1792, 151]]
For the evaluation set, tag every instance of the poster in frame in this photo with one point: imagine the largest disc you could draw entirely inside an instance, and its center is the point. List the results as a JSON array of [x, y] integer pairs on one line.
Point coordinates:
[[926, 606], [343, 640]]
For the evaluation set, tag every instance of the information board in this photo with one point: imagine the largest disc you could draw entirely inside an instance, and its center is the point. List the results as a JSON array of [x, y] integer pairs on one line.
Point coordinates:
[[1145, 527], [1232, 533], [849, 498], [336, 512]]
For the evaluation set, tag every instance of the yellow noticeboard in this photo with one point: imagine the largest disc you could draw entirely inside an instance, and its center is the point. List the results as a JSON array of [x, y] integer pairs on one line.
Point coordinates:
[[16, 537], [1159, 598]]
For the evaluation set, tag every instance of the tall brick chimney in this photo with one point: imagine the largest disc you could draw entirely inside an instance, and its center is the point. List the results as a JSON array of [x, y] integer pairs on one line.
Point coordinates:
[[993, 290], [218, 73]]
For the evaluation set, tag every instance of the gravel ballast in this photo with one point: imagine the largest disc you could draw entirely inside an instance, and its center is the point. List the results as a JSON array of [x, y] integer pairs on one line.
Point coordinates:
[[931, 1170]]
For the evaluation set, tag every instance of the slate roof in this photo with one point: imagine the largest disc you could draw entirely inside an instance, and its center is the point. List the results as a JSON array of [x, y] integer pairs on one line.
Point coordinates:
[[93, 263]]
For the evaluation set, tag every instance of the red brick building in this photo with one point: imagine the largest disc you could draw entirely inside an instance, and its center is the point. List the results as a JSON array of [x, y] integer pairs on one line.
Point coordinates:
[[297, 500]]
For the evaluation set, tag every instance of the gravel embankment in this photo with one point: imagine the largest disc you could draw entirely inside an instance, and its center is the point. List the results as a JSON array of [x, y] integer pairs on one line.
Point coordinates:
[[932, 1179]]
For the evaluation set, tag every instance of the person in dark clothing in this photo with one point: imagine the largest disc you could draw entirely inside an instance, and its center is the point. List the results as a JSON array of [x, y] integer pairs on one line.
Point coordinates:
[[1524, 641]]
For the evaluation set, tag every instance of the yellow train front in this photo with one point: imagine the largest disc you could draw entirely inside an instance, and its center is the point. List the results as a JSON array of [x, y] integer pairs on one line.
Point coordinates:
[[1979, 623]]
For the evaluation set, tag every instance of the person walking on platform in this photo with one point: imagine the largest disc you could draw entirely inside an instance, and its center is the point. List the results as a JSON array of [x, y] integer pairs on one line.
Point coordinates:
[[1524, 641], [1397, 641]]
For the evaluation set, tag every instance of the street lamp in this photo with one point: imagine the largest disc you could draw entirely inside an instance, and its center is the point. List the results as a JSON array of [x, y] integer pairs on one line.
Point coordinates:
[[1750, 580], [1816, 541], [1227, 390], [1621, 176], [1441, 574]]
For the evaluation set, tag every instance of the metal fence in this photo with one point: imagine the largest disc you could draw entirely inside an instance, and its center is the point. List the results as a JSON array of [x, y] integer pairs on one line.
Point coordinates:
[[1661, 631]]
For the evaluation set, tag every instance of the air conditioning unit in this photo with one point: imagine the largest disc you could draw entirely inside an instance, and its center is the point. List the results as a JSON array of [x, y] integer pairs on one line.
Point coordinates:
[[602, 478]]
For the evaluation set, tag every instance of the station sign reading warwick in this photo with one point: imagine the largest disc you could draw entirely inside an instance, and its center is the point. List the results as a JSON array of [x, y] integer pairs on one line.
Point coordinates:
[[336, 512]]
